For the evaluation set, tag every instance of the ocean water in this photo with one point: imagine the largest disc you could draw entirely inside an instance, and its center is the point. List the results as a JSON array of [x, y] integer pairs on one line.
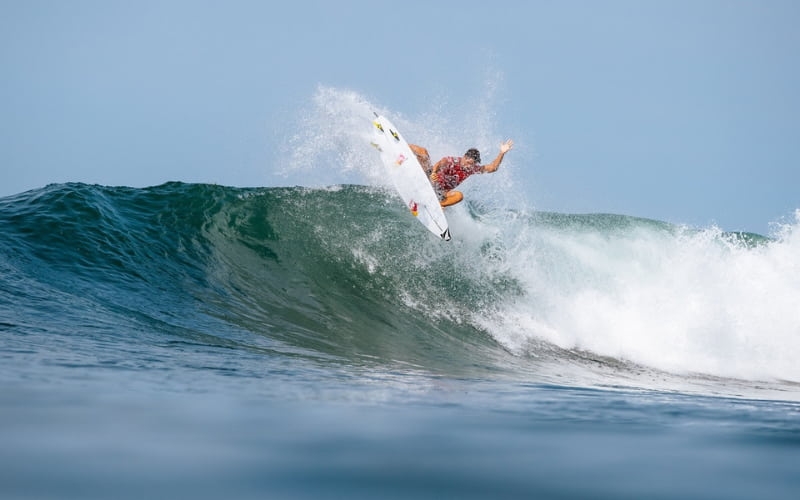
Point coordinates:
[[190, 340]]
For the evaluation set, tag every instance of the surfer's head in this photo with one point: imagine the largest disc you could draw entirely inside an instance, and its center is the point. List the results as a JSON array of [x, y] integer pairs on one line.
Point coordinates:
[[474, 155]]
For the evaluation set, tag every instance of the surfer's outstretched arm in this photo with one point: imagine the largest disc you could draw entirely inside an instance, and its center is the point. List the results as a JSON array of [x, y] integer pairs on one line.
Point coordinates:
[[495, 164]]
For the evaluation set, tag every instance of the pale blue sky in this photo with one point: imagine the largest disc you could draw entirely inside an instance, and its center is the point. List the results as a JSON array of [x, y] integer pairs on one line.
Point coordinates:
[[684, 111]]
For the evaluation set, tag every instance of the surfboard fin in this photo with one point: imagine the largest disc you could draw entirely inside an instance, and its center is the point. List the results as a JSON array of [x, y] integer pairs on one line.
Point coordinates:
[[446, 234], [378, 125]]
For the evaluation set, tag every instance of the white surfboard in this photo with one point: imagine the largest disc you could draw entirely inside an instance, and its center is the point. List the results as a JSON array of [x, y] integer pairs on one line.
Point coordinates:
[[408, 177]]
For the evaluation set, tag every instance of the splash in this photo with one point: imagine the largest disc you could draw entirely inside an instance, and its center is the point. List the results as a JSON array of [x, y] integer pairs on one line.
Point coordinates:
[[331, 142]]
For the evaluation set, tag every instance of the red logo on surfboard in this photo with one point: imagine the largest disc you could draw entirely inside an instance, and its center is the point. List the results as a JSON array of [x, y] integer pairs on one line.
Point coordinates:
[[400, 159], [414, 208]]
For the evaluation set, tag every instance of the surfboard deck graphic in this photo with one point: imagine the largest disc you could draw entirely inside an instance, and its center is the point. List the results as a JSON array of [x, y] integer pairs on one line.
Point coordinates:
[[408, 177]]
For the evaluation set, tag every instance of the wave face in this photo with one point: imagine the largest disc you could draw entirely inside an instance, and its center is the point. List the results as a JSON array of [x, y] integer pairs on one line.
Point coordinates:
[[344, 275]]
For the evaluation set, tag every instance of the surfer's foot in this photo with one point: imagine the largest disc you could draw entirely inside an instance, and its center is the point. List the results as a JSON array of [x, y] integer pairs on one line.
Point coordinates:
[[451, 198]]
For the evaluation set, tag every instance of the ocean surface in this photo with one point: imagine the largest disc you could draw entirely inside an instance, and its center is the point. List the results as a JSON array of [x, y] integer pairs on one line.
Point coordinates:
[[203, 341]]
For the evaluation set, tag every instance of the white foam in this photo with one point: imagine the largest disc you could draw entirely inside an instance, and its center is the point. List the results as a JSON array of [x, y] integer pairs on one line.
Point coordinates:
[[688, 301]]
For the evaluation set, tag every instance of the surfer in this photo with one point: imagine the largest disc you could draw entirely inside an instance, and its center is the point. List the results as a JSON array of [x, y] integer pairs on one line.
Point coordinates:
[[451, 171]]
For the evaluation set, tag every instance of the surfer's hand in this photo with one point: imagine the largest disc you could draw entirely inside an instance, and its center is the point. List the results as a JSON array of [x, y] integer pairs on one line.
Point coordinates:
[[506, 146]]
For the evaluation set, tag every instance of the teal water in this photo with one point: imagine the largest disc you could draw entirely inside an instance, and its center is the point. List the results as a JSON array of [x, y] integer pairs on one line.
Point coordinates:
[[207, 341]]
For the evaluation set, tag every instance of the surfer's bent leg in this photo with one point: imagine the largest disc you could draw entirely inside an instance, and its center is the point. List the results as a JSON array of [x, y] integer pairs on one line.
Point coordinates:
[[423, 157]]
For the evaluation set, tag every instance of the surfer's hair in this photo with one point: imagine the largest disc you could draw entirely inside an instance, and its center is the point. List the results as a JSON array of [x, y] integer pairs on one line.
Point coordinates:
[[474, 154]]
